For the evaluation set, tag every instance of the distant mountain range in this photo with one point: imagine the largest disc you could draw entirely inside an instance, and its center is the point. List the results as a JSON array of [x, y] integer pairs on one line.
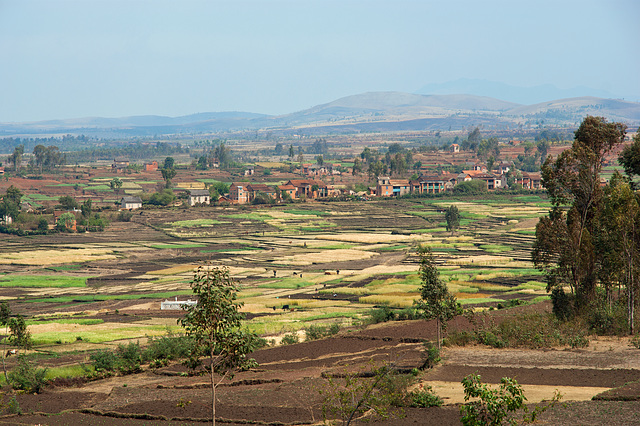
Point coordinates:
[[375, 111], [517, 94]]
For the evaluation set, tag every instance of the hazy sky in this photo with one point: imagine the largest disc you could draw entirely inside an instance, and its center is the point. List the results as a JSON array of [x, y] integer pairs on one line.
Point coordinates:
[[112, 58]]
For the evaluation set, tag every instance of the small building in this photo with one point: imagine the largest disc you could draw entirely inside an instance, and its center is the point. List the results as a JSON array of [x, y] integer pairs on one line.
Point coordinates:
[[238, 193], [388, 187], [287, 189], [249, 172], [119, 164], [455, 148], [429, 184], [199, 196], [260, 188], [177, 305], [131, 203], [1, 170], [309, 188], [151, 167]]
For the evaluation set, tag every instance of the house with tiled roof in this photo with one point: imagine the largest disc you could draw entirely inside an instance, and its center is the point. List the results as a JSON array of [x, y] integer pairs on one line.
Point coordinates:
[[238, 193], [305, 188], [199, 196], [388, 187]]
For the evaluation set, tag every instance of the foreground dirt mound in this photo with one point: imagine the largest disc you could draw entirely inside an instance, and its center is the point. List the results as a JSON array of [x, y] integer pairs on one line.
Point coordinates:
[[285, 388]]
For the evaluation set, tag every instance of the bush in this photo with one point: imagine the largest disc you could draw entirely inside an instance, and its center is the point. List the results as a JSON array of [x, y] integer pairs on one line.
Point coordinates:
[[104, 361], [382, 314], [424, 397], [168, 347], [290, 339], [432, 355], [124, 216], [27, 377], [315, 332], [494, 405], [130, 358]]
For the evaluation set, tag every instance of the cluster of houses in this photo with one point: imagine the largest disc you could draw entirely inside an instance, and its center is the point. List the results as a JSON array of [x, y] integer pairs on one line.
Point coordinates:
[[297, 189], [432, 184]]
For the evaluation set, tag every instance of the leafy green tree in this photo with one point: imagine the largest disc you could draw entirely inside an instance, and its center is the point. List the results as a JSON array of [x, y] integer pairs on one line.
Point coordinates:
[[543, 149], [87, 208], [16, 157], [65, 222], [162, 198], [630, 157], [618, 243], [435, 300], [168, 175], [320, 160], [487, 148], [565, 240], [67, 202], [473, 140], [10, 205], [115, 184], [495, 405], [215, 323], [279, 149], [169, 163], [291, 152], [452, 216]]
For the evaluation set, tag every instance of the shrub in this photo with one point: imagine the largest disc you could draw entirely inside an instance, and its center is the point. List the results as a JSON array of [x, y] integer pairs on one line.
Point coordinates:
[[168, 347], [290, 339], [27, 377], [432, 355], [424, 397], [382, 314], [315, 332], [130, 358], [104, 361], [494, 405], [13, 407]]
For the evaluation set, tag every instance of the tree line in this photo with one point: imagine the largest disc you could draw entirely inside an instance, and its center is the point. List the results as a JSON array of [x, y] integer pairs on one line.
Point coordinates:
[[589, 244]]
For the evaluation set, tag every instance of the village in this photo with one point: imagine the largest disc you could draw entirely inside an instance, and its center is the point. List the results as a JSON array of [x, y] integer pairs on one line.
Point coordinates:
[[125, 185]]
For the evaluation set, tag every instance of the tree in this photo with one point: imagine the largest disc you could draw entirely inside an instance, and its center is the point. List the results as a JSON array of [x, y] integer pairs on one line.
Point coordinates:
[[618, 242], [452, 216], [565, 240], [67, 202], [630, 157], [279, 149], [291, 152], [16, 157], [320, 160], [40, 154], [10, 205], [215, 323], [87, 208], [167, 175], [169, 163], [435, 300], [543, 149], [65, 222], [115, 184]]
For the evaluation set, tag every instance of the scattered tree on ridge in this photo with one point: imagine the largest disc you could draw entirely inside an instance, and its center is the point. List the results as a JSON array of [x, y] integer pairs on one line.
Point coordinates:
[[215, 322], [435, 300], [452, 216]]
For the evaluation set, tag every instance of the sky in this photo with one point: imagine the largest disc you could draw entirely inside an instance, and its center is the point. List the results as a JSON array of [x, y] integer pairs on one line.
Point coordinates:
[[113, 58]]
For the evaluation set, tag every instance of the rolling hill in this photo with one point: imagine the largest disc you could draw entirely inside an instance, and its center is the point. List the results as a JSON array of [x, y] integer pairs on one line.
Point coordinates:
[[373, 111]]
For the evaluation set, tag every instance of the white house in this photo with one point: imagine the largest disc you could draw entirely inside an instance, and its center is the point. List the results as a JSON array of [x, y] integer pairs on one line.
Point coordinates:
[[131, 203], [176, 305], [199, 196]]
